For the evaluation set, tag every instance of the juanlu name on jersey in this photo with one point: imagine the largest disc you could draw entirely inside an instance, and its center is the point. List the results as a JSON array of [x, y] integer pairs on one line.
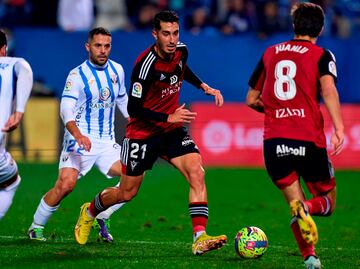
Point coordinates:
[[289, 47]]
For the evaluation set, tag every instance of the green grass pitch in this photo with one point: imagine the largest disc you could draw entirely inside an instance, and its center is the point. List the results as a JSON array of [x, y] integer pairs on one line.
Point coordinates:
[[154, 230]]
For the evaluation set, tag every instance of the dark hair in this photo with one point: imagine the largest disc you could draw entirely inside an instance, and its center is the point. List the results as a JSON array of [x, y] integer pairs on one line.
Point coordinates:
[[308, 19], [3, 39], [164, 16], [98, 31]]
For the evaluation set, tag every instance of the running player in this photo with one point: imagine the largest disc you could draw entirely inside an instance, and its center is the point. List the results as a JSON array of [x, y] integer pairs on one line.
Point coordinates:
[[287, 85], [156, 130], [87, 109], [16, 81]]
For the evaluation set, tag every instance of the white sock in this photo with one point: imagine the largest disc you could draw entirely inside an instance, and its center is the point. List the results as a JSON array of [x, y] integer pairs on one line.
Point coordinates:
[[6, 197], [108, 212], [42, 214]]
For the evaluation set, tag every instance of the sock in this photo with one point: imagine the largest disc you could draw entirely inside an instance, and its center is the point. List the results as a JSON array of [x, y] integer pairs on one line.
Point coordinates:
[[7, 195], [320, 206], [42, 214], [108, 212], [199, 213], [305, 248], [96, 206]]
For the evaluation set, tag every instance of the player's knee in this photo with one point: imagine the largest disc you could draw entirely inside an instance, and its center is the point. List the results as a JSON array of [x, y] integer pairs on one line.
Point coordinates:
[[64, 186]]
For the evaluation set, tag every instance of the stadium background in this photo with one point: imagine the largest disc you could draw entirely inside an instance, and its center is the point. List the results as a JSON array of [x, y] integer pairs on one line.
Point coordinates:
[[223, 59], [154, 231]]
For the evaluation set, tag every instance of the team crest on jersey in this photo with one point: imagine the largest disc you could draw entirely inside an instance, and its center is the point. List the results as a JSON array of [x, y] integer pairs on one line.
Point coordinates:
[[68, 85], [173, 79], [136, 90], [332, 68], [114, 79], [104, 94]]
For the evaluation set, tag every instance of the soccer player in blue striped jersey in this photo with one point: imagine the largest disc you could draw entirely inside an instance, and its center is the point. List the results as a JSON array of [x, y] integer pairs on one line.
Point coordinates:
[[87, 108], [16, 80]]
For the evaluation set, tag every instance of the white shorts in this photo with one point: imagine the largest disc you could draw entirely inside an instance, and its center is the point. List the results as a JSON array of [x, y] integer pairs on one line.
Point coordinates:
[[103, 154], [8, 167]]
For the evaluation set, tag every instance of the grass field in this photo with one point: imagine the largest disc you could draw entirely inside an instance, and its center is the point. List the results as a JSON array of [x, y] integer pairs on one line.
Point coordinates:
[[154, 230]]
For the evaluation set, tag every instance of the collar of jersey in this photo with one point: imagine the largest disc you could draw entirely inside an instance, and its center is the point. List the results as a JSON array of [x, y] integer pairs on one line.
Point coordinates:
[[97, 67]]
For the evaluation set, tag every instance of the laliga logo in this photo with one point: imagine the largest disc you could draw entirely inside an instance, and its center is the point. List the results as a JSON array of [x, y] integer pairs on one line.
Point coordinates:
[[104, 94]]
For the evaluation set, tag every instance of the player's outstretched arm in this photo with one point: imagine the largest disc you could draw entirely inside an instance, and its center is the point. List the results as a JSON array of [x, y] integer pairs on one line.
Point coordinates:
[[219, 99], [332, 103]]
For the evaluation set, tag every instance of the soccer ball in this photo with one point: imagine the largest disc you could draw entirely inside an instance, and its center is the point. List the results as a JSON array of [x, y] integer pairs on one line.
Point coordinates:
[[250, 242]]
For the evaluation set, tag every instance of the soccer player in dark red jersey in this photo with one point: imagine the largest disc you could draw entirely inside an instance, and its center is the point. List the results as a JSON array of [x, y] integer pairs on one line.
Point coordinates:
[[156, 130], [287, 85]]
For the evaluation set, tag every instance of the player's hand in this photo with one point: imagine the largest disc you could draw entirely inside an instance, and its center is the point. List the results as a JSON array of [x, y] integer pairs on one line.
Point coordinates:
[[337, 142], [83, 142], [182, 115], [13, 122], [219, 99]]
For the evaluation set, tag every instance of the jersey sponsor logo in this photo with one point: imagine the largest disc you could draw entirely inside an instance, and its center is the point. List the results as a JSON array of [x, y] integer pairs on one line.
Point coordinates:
[[332, 68], [136, 90], [104, 94], [289, 112], [171, 90], [292, 48], [173, 79], [114, 79], [283, 150], [101, 105], [68, 86], [162, 77]]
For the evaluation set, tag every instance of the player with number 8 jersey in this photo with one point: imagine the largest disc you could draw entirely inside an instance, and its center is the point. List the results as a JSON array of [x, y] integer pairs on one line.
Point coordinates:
[[287, 85]]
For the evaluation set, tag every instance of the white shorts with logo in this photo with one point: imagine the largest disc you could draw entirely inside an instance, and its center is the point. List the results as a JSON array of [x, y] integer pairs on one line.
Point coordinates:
[[103, 154], [8, 167]]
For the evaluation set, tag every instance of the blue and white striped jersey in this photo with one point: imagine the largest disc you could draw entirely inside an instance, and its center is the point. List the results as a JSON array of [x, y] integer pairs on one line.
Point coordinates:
[[16, 81], [89, 98]]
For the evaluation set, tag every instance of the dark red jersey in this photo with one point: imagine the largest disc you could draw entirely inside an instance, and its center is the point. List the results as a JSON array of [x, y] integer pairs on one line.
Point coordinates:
[[288, 77], [155, 90]]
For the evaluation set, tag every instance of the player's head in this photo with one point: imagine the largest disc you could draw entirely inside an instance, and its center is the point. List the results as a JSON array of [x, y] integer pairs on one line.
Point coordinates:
[[308, 19], [99, 45], [3, 43], [166, 32]]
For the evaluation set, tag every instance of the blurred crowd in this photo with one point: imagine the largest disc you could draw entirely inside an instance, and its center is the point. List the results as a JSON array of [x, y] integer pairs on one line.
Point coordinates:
[[209, 17]]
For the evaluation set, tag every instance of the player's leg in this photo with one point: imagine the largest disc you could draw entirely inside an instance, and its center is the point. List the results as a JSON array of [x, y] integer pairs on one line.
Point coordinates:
[[127, 190], [319, 177], [102, 220], [50, 202], [9, 181], [134, 166], [282, 169]]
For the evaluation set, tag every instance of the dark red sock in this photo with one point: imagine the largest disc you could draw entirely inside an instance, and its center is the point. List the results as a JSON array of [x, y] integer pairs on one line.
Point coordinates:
[[199, 216], [305, 248], [320, 206]]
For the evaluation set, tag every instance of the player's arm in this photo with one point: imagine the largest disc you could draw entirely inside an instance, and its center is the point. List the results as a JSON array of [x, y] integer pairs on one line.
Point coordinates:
[[122, 98], [67, 111], [328, 76], [24, 85], [194, 80], [253, 100], [253, 97]]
